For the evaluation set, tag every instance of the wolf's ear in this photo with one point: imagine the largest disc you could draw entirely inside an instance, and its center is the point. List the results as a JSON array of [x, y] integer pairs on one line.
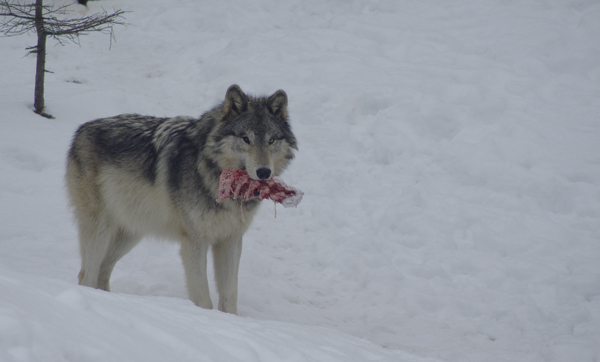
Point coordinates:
[[235, 100], [277, 104]]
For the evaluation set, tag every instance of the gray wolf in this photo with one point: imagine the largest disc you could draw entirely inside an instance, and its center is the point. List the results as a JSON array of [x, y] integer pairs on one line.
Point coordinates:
[[131, 176]]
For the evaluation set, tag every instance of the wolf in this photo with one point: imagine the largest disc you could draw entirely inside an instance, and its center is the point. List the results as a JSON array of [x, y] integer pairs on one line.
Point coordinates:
[[131, 176]]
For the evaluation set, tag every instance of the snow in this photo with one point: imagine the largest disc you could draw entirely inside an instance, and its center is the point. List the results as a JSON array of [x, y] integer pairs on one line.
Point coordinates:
[[449, 155]]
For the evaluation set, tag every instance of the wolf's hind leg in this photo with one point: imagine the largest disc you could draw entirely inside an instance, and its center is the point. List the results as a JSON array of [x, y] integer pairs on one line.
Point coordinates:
[[226, 256], [193, 254], [95, 238], [120, 245]]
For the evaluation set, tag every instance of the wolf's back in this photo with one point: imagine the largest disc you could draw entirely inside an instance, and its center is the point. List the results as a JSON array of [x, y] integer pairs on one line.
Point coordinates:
[[129, 141]]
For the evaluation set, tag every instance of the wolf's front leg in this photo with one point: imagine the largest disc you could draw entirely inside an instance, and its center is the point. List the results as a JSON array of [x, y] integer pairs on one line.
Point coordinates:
[[193, 255], [227, 263]]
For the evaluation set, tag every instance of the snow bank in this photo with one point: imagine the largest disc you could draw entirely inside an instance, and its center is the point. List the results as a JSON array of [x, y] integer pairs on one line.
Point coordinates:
[[51, 320]]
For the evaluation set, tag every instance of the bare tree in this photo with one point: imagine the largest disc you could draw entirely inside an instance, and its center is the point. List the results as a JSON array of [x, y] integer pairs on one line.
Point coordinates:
[[17, 18]]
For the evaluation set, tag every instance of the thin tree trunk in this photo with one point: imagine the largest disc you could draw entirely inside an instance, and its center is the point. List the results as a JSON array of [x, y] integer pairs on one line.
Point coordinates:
[[40, 72], [38, 100]]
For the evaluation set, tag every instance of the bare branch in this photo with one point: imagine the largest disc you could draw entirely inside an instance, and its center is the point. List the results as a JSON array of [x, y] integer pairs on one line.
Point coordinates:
[[18, 19], [99, 22]]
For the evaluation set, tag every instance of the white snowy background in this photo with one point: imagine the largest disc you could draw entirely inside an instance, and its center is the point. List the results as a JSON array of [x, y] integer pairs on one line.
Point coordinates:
[[449, 155]]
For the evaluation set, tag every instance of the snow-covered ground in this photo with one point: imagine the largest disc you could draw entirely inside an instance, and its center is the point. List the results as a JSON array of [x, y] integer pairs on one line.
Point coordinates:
[[449, 155]]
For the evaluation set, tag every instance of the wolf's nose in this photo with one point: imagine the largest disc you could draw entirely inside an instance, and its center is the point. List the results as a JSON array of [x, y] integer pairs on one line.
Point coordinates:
[[263, 173]]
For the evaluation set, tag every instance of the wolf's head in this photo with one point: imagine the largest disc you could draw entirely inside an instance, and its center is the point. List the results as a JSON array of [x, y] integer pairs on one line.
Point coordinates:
[[254, 134]]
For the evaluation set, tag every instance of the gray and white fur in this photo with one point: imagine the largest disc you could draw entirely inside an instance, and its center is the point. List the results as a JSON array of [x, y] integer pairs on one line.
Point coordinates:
[[131, 176]]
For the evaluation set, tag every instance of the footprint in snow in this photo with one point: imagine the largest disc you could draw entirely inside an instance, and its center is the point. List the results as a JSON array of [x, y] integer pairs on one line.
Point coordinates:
[[23, 159]]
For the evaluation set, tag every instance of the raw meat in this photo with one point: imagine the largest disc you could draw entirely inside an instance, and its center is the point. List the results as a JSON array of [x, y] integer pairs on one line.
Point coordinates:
[[238, 184]]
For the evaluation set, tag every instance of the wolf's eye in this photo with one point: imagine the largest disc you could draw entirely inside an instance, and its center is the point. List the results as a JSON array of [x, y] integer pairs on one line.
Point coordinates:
[[271, 141], [246, 139]]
